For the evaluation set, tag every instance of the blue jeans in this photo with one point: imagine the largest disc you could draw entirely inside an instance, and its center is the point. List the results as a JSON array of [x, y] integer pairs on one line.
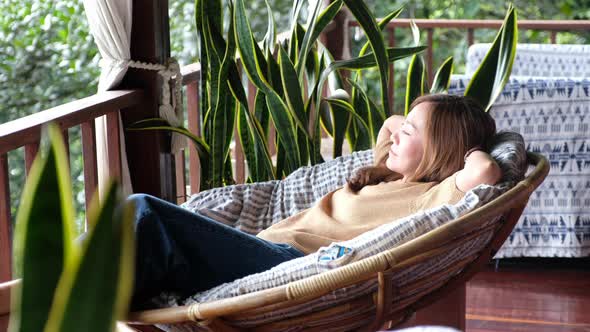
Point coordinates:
[[184, 252]]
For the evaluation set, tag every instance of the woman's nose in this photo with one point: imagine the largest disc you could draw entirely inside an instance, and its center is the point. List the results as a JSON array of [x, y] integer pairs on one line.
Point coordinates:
[[394, 137]]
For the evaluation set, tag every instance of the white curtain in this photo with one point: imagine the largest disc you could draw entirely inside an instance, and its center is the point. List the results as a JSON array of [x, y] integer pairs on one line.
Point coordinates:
[[110, 25]]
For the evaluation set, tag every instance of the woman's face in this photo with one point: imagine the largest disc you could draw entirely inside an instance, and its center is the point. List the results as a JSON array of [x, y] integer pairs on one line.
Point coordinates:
[[407, 148]]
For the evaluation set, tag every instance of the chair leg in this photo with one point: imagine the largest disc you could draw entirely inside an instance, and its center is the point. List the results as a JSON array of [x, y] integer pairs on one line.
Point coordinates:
[[448, 311], [4, 323]]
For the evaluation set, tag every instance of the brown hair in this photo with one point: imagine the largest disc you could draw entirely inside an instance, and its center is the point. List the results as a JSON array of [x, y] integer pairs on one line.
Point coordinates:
[[455, 125]]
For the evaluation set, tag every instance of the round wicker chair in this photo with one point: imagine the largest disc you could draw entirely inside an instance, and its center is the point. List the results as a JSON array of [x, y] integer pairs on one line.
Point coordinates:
[[451, 255]]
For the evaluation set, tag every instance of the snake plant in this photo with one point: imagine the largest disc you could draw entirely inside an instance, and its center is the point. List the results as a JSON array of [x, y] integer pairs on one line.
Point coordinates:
[[289, 75], [69, 285]]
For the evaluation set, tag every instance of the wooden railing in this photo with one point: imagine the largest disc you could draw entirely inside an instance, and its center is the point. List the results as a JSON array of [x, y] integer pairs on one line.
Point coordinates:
[[26, 132]]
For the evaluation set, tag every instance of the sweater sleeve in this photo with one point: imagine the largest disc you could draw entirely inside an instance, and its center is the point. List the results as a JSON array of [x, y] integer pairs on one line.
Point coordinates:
[[381, 152], [445, 192]]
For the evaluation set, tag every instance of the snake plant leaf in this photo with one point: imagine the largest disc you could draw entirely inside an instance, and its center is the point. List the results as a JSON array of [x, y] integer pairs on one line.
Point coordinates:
[[236, 86], [273, 72], [415, 32], [291, 87], [312, 70], [492, 74], [295, 41], [326, 118], [269, 40], [247, 47], [442, 79], [201, 146], [222, 131], [325, 17], [202, 56], [248, 146], [307, 41], [280, 114], [43, 240], [315, 29], [361, 105], [282, 166], [315, 152], [377, 119], [367, 22], [261, 113], [374, 116], [368, 61], [95, 291], [415, 81], [203, 149], [340, 118], [382, 25], [358, 133], [223, 115], [255, 148], [346, 106], [285, 128]]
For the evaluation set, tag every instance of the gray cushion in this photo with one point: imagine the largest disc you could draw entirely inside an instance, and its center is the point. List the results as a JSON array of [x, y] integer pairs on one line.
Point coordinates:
[[509, 151]]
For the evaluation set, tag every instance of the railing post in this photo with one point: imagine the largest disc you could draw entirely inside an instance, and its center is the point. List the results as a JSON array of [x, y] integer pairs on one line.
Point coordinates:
[[5, 222], [151, 165], [30, 154], [89, 156], [429, 56]]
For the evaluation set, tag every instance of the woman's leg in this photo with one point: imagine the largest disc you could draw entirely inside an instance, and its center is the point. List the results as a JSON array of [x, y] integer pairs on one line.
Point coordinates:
[[180, 251]]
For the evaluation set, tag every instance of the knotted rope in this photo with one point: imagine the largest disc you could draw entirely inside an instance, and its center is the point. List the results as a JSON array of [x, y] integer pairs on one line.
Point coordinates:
[[170, 109]]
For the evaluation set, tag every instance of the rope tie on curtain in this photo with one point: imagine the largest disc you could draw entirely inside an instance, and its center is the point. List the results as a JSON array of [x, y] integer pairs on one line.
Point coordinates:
[[170, 109]]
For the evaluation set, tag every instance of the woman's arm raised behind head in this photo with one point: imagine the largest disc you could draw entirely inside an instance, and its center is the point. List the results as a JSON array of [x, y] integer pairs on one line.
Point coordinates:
[[381, 149], [390, 125], [479, 168]]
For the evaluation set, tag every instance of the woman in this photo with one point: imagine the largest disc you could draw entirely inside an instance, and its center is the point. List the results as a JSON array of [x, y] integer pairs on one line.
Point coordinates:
[[430, 158]]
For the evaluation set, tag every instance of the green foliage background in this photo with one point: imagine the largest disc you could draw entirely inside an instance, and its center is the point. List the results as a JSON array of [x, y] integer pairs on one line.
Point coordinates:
[[48, 57]]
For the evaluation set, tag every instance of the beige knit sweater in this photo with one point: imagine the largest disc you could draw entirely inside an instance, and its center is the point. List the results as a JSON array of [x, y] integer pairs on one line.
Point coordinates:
[[343, 214]]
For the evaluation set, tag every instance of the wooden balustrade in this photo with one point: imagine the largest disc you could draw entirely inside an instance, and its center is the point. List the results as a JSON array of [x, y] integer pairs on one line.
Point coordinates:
[[26, 132]]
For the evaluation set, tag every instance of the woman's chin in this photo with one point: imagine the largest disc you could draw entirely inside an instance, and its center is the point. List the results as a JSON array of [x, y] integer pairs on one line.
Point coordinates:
[[390, 164]]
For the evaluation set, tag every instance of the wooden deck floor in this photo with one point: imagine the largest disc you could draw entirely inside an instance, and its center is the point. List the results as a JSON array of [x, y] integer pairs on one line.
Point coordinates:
[[532, 295]]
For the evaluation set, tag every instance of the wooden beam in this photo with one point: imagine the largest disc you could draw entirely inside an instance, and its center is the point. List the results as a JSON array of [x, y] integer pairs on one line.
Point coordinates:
[[151, 164]]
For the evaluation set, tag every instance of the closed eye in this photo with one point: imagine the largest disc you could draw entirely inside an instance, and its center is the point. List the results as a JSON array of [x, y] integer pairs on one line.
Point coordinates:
[[405, 132]]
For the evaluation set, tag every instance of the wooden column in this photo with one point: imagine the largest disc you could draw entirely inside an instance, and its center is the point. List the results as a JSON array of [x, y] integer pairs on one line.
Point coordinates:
[[337, 39], [151, 165]]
